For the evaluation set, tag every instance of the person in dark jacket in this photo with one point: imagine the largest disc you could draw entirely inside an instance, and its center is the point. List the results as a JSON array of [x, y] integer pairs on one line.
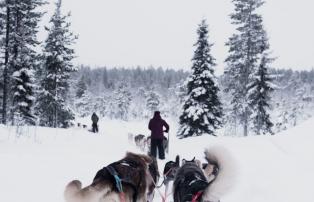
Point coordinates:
[[95, 123], [156, 125]]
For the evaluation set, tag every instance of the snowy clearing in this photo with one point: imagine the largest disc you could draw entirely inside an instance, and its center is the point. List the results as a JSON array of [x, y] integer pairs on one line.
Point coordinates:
[[36, 166]]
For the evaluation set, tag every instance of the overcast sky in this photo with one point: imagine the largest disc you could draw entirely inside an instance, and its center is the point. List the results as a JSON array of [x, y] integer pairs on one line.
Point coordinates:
[[162, 32]]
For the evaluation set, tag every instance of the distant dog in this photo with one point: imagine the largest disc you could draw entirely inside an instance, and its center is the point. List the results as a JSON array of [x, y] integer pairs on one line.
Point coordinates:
[[140, 141], [207, 182], [127, 180]]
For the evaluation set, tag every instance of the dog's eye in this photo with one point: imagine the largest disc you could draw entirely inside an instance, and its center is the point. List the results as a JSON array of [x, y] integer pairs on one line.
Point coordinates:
[[204, 165]]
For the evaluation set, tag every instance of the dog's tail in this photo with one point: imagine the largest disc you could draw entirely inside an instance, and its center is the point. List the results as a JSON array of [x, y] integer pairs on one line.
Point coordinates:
[[74, 192], [225, 179]]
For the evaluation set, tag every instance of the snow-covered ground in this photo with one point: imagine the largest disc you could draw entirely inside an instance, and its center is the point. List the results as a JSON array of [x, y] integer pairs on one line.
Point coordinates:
[[36, 166]]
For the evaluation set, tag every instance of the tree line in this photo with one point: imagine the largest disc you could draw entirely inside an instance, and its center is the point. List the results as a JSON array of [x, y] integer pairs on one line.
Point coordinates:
[[89, 91], [46, 89]]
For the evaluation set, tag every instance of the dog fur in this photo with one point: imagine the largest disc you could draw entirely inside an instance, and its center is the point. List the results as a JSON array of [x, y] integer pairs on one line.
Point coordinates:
[[226, 177], [140, 141], [103, 187], [217, 175], [170, 169]]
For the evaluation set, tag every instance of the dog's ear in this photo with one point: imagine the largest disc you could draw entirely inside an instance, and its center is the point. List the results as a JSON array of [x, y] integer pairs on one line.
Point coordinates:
[[198, 163], [206, 154], [146, 158], [178, 160]]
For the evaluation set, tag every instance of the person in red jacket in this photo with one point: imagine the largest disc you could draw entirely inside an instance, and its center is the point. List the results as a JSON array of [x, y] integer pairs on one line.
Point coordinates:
[[156, 125]]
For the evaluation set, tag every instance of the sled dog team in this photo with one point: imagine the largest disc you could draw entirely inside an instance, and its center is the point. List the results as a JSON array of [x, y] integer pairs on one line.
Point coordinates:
[[135, 178]]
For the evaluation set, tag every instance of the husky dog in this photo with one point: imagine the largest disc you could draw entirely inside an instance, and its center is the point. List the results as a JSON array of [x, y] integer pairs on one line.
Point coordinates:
[[140, 141], [127, 180], [170, 169], [189, 181], [207, 183]]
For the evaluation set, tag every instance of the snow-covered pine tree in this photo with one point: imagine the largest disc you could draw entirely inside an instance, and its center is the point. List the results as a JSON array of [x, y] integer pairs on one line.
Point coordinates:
[[202, 110], [297, 104], [111, 107], [81, 87], [21, 58], [57, 66], [259, 97], [123, 99], [245, 49], [105, 78], [2, 52], [152, 101], [83, 104], [137, 111], [4, 62], [283, 117]]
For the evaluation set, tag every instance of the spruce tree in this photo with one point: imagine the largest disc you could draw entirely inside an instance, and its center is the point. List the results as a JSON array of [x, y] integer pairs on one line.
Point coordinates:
[[21, 58], [283, 117], [123, 99], [245, 49], [259, 98], [2, 50], [57, 66], [202, 111], [5, 25], [152, 101], [81, 87], [83, 104]]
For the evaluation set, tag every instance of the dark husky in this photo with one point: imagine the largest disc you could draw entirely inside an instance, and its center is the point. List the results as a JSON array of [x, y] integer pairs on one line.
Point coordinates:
[[170, 170], [207, 183], [189, 182], [127, 180]]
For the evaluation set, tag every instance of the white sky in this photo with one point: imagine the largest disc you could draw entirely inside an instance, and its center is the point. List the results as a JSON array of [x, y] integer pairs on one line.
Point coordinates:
[[162, 32]]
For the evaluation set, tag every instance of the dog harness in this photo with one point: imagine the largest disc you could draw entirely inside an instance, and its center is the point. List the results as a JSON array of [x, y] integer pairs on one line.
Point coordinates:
[[120, 180], [194, 190], [197, 196]]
